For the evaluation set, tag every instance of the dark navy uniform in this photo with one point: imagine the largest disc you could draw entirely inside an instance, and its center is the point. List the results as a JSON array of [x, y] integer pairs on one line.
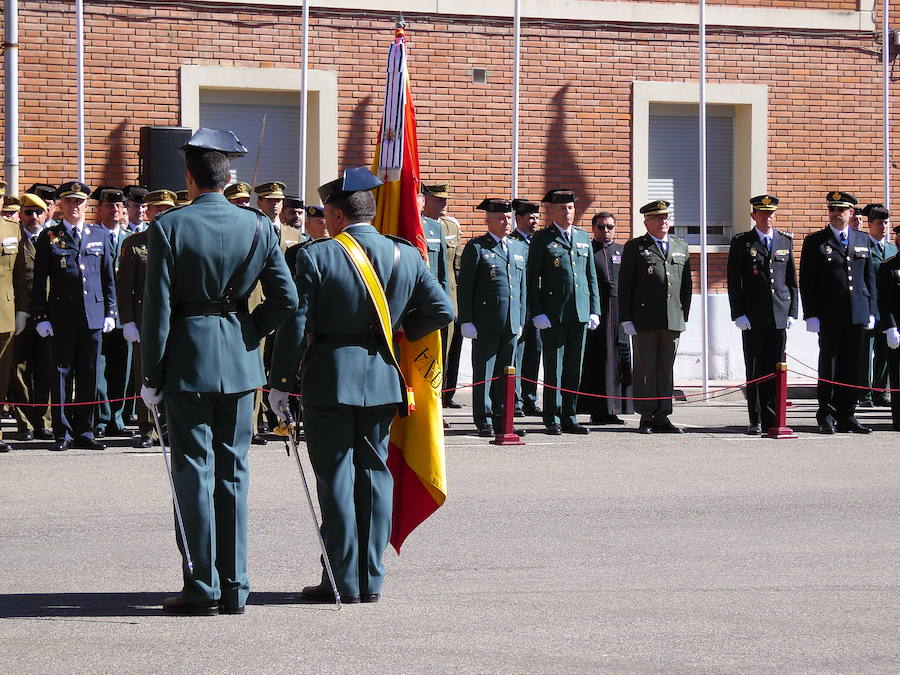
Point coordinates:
[[837, 286], [81, 294], [762, 285], [888, 283], [492, 296]]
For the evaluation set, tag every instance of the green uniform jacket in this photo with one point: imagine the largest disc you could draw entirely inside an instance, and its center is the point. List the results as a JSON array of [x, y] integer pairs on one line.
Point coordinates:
[[655, 292], [453, 244], [492, 292], [562, 281], [10, 235], [193, 251], [335, 317], [437, 251], [131, 278]]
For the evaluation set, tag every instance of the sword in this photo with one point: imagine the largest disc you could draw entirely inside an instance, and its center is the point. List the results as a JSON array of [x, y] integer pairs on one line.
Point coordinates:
[[165, 453], [288, 429]]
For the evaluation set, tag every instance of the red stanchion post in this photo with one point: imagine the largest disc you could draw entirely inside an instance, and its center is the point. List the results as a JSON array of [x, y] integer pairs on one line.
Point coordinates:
[[781, 430], [505, 435]]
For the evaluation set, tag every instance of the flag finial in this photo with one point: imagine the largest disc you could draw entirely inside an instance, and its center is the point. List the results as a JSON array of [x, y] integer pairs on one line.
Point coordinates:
[[401, 22]]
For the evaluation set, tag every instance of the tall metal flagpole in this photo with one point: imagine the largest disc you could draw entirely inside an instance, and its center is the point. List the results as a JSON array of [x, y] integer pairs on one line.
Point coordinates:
[[79, 67], [11, 162], [704, 281], [886, 101], [304, 67], [517, 30]]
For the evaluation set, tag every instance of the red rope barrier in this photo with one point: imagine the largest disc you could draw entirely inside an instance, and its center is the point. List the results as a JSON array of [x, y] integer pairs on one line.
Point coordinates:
[[842, 384]]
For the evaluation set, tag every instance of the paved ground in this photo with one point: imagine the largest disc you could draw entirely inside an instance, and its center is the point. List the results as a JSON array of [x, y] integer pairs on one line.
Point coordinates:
[[613, 552]]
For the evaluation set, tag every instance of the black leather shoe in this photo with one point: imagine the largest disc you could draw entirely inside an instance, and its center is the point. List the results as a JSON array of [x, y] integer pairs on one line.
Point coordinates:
[[60, 446], [554, 430], [447, 424], [122, 433], [88, 444], [754, 430], [826, 428], [852, 426], [533, 410], [881, 401], [486, 431], [519, 413], [606, 419], [258, 440], [453, 405], [99, 432], [263, 428], [144, 442], [369, 597], [323, 594], [4, 447], [230, 609], [27, 435], [645, 428], [866, 403], [574, 428], [666, 428], [178, 605], [44, 434]]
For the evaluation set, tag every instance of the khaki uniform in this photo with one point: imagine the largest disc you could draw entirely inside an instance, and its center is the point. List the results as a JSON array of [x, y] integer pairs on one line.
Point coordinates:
[[130, 280], [9, 250]]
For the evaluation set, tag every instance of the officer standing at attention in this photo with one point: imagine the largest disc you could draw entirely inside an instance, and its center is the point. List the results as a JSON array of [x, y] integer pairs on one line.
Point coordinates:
[[837, 287], [492, 298], [654, 303], [238, 193], [9, 251], [74, 300], [563, 298], [888, 282], [200, 350], [528, 348], [875, 349], [136, 208], [316, 229], [437, 250], [351, 388], [762, 292]]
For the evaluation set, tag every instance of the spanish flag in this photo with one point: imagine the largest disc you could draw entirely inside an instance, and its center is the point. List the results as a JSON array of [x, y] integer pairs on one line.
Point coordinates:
[[416, 450]]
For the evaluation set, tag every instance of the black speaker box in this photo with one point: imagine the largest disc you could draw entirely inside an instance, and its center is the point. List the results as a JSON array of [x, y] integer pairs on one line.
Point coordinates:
[[161, 165]]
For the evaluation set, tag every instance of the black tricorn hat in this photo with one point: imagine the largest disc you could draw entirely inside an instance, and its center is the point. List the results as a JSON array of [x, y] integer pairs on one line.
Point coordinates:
[[495, 206], [221, 140], [523, 207], [559, 197], [359, 179]]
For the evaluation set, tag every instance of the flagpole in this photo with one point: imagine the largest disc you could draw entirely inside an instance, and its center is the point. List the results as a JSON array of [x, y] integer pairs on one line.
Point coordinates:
[[11, 163], [886, 101], [517, 30], [304, 67], [79, 67], [704, 281]]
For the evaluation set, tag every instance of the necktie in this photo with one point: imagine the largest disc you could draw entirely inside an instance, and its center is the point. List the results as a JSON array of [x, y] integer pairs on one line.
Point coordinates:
[[568, 237], [504, 247], [880, 249], [112, 241], [76, 237], [844, 240], [664, 247], [768, 244]]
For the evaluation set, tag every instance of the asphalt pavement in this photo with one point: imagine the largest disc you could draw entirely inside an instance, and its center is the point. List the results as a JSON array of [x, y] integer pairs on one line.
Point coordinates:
[[709, 552]]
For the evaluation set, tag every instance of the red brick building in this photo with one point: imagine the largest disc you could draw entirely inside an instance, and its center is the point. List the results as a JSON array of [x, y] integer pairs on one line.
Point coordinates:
[[608, 98]]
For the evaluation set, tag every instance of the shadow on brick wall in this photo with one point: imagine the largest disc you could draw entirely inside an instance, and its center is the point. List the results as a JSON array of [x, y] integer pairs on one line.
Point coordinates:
[[357, 145], [561, 170]]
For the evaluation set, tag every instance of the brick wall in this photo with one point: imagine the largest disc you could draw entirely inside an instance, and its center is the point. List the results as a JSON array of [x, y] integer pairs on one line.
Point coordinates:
[[842, 5], [825, 119]]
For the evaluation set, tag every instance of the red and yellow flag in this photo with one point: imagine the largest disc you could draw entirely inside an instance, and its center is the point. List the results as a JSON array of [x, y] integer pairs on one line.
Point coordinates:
[[416, 450]]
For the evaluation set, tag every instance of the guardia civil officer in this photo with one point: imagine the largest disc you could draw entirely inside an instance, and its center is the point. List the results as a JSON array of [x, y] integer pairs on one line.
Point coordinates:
[[491, 298], [564, 299], [351, 389], [528, 348], [837, 287], [437, 249], [888, 282], [654, 303], [316, 229], [762, 292], [199, 349], [74, 301], [875, 349]]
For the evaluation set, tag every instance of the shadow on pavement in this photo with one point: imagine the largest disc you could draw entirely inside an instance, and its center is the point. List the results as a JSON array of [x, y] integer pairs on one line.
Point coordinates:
[[62, 605]]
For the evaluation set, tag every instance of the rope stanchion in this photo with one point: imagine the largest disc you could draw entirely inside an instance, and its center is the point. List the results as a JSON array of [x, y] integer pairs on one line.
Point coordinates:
[[505, 435], [781, 430]]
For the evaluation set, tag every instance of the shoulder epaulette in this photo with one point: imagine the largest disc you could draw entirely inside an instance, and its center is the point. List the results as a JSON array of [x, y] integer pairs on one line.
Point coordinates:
[[246, 208], [789, 235], [399, 239]]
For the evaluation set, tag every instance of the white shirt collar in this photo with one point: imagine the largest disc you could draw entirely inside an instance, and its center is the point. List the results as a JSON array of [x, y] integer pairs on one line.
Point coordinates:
[[665, 241], [563, 231], [498, 240], [69, 226], [763, 235], [524, 234], [837, 233], [877, 241]]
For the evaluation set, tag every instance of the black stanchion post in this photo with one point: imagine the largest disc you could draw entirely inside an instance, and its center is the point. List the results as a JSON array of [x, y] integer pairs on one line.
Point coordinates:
[[781, 430], [505, 435]]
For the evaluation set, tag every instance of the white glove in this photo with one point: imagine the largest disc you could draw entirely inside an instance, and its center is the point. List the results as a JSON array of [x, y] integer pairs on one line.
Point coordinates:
[[278, 402], [742, 322], [593, 321], [812, 324], [108, 324], [541, 321], [629, 328], [469, 331], [130, 332], [789, 321], [21, 320], [152, 397], [893, 337], [44, 328], [870, 324]]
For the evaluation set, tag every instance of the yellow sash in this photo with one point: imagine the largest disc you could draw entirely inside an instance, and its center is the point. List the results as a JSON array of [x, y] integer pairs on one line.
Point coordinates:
[[370, 279]]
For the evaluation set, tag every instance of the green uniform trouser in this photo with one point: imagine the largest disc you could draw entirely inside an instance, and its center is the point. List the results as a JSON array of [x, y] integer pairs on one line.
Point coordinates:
[[348, 448], [210, 435], [562, 352], [491, 354]]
